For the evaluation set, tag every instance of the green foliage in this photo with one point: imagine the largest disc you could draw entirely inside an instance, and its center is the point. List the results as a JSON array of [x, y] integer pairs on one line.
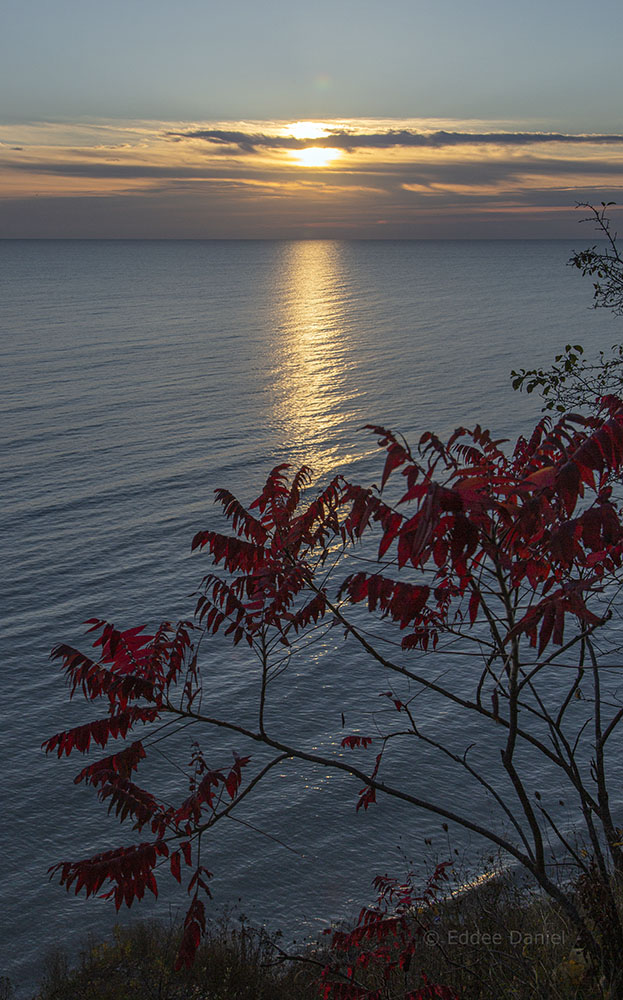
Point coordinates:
[[234, 962], [573, 382], [604, 264], [6, 988], [490, 941]]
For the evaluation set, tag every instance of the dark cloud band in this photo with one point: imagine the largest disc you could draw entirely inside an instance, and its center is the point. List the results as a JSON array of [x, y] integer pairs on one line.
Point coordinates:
[[250, 142]]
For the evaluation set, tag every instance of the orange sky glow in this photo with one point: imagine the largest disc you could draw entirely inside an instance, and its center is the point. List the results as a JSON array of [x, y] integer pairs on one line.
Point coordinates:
[[367, 178]]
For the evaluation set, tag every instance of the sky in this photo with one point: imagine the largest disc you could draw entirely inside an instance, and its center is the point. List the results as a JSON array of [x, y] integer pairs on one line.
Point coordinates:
[[342, 119]]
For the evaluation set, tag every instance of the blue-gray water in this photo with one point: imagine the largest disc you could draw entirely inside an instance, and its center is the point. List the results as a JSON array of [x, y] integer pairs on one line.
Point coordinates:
[[139, 376]]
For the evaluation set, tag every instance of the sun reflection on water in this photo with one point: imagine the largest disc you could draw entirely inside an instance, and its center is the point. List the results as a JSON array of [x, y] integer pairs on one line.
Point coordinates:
[[314, 386]]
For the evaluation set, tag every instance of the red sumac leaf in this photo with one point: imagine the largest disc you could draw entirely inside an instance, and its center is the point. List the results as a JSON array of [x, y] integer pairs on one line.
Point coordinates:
[[568, 485], [547, 626], [175, 866], [194, 927], [186, 850], [474, 604], [356, 741]]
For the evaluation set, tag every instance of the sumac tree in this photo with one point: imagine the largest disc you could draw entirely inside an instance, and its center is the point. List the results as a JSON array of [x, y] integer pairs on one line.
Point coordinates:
[[486, 580], [382, 945]]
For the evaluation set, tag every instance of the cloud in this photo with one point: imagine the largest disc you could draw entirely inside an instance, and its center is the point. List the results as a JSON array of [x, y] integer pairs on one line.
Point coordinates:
[[244, 179], [118, 170], [347, 140], [374, 179]]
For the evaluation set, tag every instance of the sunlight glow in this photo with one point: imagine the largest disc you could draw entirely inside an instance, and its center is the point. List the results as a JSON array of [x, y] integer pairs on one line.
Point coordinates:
[[307, 130], [316, 156], [312, 386]]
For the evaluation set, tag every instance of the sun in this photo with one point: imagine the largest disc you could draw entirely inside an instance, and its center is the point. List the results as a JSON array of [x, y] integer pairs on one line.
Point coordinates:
[[312, 156], [316, 156]]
